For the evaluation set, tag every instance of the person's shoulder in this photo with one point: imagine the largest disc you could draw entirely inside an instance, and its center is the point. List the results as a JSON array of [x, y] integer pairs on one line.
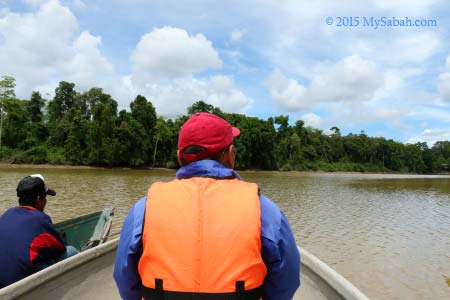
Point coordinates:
[[8, 211], [271, 218], [23, 211], [268, 206], [139, 207], [7, 214], [163, 184]]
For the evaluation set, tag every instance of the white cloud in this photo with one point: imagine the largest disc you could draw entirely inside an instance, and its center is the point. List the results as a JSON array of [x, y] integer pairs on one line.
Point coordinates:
[[447, 62], [444, 86], [287, 94], [40, 41], [236, 35], [311, 119], [407, 7], [356, 116], [221, 91], [49, 49], [88, 66], [398, 81], [164, 64], [351, 79], [424, 113], [172, 98], [3, 11], [234, 54], [398, 48], [36, 2], [170, 52], [79, 4], [378, 112], [431, 136]]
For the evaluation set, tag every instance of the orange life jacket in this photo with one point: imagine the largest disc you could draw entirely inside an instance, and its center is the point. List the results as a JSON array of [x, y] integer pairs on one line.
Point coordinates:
[[202, 240]]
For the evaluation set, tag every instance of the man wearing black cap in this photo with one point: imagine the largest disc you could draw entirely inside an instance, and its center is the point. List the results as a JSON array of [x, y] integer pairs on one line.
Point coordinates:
[[28, 240]]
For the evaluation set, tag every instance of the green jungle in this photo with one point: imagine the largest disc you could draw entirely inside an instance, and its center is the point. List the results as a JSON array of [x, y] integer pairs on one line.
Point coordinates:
[[86, 129]]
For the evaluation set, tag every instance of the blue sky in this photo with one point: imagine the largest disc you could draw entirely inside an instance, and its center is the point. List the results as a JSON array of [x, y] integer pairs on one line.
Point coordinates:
[[262, 58]]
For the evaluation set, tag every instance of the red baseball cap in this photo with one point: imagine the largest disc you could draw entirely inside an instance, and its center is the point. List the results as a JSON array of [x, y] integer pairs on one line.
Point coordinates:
[[208, 131]]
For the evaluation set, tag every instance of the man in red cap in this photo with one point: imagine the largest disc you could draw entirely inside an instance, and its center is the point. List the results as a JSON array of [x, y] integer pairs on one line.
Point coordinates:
[[207, 234], [28, 240]]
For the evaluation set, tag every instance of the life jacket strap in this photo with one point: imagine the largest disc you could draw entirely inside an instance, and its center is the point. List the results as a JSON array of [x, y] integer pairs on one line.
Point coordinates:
[[240, 290], [158, 293]]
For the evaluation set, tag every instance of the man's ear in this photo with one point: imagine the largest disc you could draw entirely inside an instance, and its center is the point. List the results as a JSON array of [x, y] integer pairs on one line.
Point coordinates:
[[178, 158], [39, 203], [230, 156]]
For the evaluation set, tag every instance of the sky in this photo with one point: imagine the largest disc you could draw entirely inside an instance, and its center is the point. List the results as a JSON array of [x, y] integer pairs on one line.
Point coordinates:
[[382, 67]]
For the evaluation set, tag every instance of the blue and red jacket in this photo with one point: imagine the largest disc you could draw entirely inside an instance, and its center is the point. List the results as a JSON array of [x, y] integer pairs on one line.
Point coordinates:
[[279, 250], [28, 243]]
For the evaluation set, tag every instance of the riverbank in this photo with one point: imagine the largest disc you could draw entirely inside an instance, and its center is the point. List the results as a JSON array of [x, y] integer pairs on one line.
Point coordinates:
[[4, 165], [44, 166]]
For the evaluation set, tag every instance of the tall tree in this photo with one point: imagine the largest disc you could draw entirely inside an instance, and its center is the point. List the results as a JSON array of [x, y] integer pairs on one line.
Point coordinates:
[[15, 122], [202, 106], [144, 112], [101, 143], [7, 85], [163, 132], [36, 105], [63, 101]]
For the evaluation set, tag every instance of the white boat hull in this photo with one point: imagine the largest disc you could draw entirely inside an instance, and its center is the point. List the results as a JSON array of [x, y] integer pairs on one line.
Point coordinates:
[[88, 275]]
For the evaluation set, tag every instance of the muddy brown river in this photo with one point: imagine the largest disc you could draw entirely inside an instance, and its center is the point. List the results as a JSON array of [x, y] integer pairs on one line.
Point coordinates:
[[388, 234]]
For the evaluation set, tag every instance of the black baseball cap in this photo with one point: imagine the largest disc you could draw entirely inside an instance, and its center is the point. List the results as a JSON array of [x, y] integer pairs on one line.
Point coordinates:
[[32, 186]]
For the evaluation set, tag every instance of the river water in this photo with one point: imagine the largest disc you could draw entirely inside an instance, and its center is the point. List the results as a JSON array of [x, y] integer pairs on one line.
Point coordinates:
[[388, 234]]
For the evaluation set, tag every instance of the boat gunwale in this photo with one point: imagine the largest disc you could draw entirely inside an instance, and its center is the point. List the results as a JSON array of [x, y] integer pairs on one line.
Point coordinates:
[[25, 285], [330, 276]]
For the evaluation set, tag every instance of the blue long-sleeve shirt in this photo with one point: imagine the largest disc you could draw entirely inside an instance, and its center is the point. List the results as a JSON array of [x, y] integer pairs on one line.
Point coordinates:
[[279, 250], [28, 243]]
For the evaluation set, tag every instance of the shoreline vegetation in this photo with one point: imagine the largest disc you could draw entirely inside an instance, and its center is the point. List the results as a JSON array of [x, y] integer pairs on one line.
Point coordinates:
[[4, 165], [86, 129]]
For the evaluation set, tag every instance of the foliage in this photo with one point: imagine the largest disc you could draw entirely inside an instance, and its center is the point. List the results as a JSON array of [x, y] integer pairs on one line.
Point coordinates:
[[7, 85], [35, 155], [86, 129]]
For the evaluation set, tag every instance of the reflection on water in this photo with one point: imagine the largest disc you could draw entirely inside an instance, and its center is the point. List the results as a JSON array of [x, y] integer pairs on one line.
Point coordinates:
[[388, 234]]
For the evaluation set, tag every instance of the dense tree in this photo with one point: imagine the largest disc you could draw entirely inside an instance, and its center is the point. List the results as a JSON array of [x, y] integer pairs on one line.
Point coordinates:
[[15, 122], [441, 152], [101, 143], [131, 142], [7, 85], [35, 106], [75, 145], [86, 129], [144, 112], [201, 106], [63, 101], [163, 144]]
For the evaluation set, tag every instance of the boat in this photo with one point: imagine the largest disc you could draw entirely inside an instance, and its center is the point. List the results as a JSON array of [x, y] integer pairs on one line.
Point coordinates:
[[84, 233], [88, 275], [87, 231]]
